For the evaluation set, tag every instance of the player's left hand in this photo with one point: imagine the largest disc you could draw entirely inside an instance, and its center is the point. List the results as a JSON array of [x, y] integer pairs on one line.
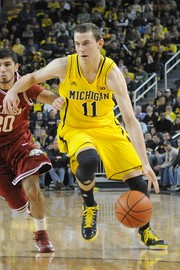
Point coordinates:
[[58, 104], [10, 102], [152, 179]]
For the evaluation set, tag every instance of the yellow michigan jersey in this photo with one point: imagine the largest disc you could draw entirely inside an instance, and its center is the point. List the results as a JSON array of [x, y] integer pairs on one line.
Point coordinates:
[[87, 120], [88, 104]]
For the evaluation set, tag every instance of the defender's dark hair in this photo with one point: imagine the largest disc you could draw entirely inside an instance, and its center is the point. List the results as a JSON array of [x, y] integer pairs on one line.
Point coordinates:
[[5, 52], [89, 27]]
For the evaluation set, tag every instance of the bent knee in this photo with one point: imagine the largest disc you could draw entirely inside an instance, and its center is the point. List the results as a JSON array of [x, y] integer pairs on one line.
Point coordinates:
[[31, 187], [88, 162], [88, 159]]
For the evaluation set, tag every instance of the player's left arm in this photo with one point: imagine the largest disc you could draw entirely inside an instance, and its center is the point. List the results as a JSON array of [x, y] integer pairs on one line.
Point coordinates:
[[117, 84], [48, 97]]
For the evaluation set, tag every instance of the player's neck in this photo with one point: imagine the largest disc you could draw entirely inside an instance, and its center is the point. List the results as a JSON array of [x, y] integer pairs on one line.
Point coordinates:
[[92, 66]]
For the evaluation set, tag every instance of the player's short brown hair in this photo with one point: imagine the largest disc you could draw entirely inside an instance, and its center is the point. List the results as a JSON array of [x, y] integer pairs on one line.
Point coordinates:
[[89, 27]]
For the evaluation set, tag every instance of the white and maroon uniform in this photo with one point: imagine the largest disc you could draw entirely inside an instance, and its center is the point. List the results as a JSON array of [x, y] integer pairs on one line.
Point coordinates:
[[18, 156]]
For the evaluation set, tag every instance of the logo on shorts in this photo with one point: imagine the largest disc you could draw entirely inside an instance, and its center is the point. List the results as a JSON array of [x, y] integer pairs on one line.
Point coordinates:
[[35, 152]]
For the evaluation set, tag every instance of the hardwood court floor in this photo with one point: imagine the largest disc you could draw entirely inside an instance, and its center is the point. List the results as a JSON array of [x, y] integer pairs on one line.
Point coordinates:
[[115, 248]]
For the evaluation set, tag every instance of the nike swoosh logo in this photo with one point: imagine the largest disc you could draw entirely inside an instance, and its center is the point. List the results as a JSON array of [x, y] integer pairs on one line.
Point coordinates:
[[23, 144]]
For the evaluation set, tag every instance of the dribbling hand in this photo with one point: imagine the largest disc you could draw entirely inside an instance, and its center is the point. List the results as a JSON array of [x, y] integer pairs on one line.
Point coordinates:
[[152, 179]]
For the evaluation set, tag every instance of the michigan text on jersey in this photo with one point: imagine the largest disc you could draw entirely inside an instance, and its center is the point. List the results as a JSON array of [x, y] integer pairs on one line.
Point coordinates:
[[85, 95]]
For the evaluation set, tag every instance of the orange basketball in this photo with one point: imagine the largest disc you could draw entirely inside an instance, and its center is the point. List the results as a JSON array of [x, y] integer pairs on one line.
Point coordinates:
[[133, 209]]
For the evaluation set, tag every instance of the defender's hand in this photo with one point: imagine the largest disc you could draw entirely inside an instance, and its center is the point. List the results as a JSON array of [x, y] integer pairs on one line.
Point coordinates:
[[10, 102]]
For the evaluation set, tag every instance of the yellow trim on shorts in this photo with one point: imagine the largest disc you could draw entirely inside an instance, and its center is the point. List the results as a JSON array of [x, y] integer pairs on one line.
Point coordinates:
[[84, 147]]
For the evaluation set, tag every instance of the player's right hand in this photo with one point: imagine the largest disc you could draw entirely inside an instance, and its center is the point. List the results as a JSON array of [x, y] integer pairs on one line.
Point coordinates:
[[10, 102]]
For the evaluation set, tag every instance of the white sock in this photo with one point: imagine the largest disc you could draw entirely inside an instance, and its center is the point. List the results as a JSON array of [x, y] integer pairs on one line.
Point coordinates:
[[40, 224]]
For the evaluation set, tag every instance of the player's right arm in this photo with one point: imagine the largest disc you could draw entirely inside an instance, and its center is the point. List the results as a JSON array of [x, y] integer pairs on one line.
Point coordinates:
[[55, 69]]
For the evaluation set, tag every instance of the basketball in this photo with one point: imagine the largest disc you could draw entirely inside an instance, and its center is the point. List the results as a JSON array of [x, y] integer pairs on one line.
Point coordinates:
[[133, 209]]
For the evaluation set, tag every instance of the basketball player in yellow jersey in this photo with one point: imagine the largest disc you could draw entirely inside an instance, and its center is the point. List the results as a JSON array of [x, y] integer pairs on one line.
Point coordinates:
[[88, 128]]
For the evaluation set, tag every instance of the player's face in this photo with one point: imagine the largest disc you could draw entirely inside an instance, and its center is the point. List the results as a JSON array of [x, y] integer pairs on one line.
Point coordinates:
[[86, 46], [7, 70]]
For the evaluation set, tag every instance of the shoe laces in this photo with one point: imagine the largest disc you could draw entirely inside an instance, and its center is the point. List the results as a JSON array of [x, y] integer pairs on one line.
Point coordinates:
[[89, 214], [149, 234], [41, 236]]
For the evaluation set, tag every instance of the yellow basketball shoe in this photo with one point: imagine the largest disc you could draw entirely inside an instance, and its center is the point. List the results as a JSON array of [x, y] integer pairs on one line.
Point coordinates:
[[148, 238], [89, 216]]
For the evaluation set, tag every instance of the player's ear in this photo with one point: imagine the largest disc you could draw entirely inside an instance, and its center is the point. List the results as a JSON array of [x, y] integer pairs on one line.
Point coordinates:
[[16, 67], [101, 42]]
